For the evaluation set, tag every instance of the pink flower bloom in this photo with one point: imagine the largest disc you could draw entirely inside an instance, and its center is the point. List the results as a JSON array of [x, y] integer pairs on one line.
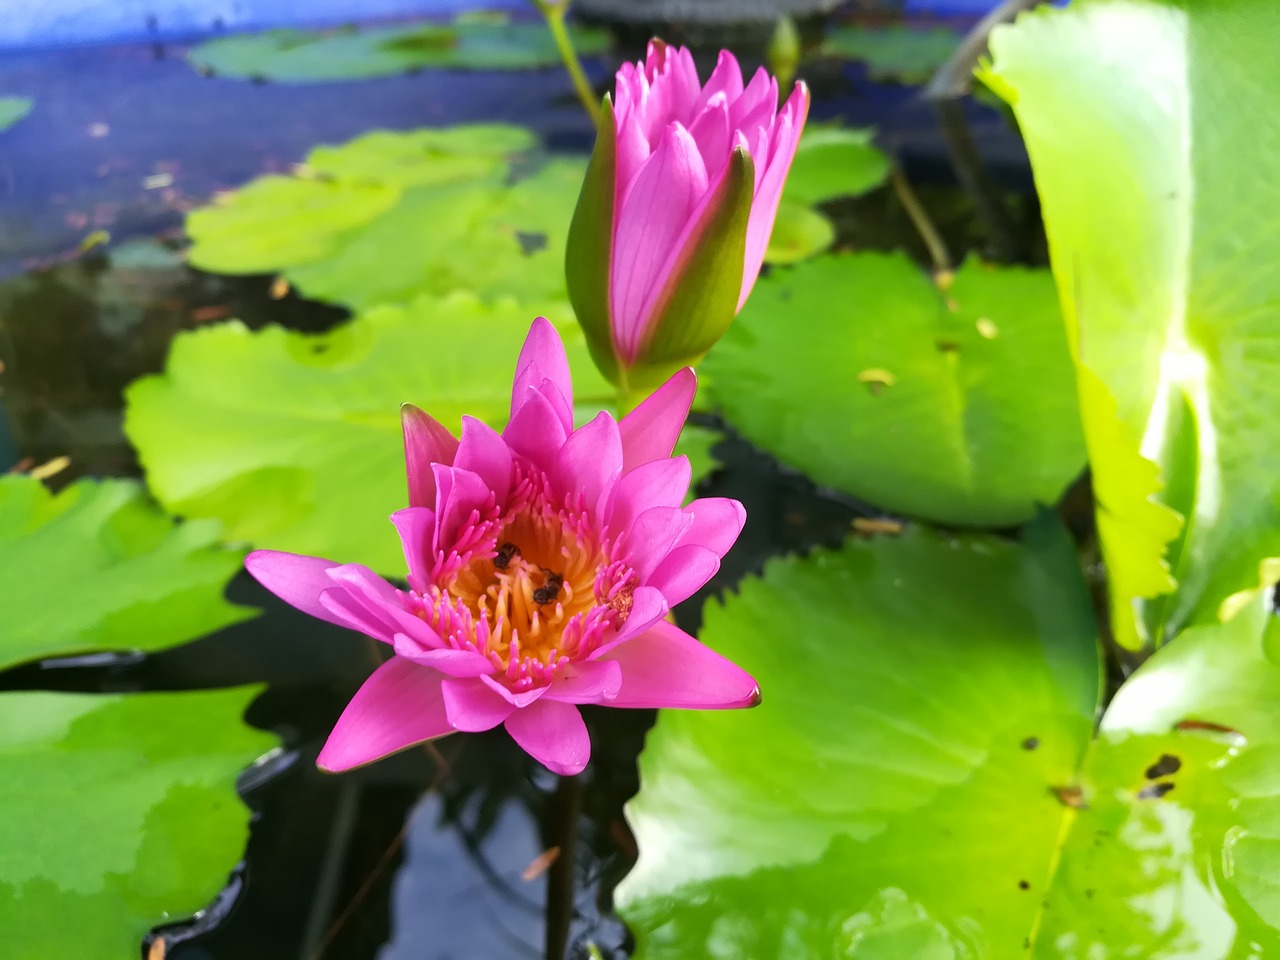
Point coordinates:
[[676, 211], [542, 563]]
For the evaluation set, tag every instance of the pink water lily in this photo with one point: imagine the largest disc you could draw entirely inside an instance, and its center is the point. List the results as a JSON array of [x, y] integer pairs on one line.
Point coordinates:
[[542, 563], [677, 208]]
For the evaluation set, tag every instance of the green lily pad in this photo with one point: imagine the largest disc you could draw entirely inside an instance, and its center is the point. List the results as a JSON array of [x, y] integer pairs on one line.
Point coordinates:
[[1140, 119], [275, 221], [13, 109], [298, 56], [120, 814], [914, 670], [99, 567], [293, 440], [946, 691], [799, 232], [833, 162], [901, 54], [493, 240], [957, 406], [390, 216]]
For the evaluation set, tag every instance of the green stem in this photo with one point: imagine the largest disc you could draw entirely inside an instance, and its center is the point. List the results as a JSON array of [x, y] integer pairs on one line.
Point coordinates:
[[553, 11]]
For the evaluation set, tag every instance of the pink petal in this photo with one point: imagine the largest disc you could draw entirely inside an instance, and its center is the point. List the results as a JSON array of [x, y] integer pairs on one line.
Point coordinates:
[[553, 734], [650, 431], [711, 132], [399, 705], [665, 667], [717, 521], [658, 483], [683, 571], [590, 462], [633, 149], [471, 706], [295, 579], [764, 209], [542, 358], [452, 663], [757, 105], [460, 497], [588, 681], [486, 454], [417, 529], [652, 216], [653, 535], [648, 606], [726, 78], [380, 603], [425, 442], [536, 432], [517, 700], [673, 78]]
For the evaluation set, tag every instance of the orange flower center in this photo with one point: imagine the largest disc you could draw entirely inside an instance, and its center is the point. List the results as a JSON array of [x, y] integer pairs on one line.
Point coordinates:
[[534, 588]]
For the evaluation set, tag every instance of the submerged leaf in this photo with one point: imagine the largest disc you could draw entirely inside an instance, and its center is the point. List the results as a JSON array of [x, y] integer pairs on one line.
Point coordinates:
[[13, 109]]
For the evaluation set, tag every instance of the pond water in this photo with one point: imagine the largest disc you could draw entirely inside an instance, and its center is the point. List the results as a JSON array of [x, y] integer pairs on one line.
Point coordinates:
[[438, 852]]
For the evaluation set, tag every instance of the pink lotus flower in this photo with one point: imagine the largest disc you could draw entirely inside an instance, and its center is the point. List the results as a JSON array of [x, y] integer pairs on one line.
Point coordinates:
[[542, 563], [676, 210]]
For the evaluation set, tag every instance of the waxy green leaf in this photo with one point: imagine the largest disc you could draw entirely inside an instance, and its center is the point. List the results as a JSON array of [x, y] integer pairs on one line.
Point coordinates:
[[293, 440], [901, 54], [100, 567], [389, 216], [834, 162], [120, 814], [1150, 127], [954, 404], [946, 690], [349, 53]]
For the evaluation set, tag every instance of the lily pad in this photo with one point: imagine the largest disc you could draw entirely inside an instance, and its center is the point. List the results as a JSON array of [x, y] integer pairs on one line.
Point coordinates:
[[298, 56], [293, 440], [280, 221], [390, 216], [1138, 123], [491, 239], [833, 162], [100, 567], [897, 53], [120, 814], [946, 690], [956, 404], [799, 232], [13, 109]]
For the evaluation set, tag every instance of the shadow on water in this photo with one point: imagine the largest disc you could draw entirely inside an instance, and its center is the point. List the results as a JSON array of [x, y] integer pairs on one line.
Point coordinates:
[[440, 851]]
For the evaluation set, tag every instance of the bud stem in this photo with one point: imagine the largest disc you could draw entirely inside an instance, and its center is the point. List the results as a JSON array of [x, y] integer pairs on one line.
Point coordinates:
[[553, 11]]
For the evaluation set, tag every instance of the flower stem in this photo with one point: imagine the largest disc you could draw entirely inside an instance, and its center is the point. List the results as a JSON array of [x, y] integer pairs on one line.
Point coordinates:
[[553, 11], [920, 218]]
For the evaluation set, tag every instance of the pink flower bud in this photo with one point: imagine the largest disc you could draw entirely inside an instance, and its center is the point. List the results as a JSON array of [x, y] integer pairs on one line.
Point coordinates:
[[675, 214]]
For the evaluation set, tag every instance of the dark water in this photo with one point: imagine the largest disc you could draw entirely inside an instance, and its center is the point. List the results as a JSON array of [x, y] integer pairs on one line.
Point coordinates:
[[427, 854]]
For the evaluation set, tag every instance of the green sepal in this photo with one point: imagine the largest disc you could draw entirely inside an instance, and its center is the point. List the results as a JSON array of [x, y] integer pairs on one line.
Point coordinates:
[[701, 296], [589, 250]]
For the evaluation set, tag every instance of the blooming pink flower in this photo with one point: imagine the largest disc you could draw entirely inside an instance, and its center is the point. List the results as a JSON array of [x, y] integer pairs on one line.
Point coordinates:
[[677, 207], [542, 563]]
